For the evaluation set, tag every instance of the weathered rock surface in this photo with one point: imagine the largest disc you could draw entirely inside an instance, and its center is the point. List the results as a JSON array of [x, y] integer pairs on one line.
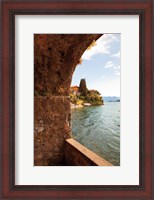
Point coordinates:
[[55, 59], [52, 116]]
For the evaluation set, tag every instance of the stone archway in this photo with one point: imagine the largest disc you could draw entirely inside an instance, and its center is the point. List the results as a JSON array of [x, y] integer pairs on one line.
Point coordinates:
[[55, 59]]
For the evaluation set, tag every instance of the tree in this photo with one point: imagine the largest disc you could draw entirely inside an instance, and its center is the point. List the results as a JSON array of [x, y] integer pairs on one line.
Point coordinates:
[[83, 88]]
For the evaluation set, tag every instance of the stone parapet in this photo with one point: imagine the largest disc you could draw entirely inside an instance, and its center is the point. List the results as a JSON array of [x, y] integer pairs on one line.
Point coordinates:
[[78, 155]]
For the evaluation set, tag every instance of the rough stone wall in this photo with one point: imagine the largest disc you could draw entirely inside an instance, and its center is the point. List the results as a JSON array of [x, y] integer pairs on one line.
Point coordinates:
[[55, 59], [52, 116]]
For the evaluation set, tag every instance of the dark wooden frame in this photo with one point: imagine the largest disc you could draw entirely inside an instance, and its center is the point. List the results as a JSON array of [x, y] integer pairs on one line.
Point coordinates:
[[10, 8]]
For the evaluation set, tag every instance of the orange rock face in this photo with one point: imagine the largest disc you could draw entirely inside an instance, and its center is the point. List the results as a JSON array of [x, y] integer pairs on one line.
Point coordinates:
[[55, 59]]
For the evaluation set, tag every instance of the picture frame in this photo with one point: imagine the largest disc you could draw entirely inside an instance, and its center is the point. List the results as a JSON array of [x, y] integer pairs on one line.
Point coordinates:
[[12, 8]]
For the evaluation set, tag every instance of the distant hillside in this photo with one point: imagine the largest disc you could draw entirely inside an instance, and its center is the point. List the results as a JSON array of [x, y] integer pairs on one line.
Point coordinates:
[[111, 99]]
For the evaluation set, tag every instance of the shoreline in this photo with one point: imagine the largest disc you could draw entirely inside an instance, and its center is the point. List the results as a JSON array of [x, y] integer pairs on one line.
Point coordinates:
[[81, 106], [76, 106]]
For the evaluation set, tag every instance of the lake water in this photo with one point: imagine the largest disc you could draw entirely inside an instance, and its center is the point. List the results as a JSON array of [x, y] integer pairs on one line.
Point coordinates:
[[98, 128]]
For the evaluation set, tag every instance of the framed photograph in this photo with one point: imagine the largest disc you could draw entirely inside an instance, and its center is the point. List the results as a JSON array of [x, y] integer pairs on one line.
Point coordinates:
[[76, 99]]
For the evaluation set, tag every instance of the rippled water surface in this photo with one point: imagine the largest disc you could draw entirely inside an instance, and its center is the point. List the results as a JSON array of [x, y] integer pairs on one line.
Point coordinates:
[[98, 128]]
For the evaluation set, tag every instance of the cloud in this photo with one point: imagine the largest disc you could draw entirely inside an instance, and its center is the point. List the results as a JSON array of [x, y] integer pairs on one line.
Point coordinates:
[[116, 55], [117, 70], [114, 37], [109, 64], [102, 46], [116, 67], [117, 73]]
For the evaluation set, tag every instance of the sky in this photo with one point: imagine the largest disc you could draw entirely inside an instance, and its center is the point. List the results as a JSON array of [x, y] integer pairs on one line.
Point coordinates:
[[101, 66]]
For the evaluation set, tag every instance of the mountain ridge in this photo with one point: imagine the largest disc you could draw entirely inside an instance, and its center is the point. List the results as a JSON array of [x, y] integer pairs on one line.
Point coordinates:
[[111, 99]]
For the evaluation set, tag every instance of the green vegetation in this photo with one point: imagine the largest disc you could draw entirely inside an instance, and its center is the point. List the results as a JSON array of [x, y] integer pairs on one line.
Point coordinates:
[[94, 97], [82, 96]]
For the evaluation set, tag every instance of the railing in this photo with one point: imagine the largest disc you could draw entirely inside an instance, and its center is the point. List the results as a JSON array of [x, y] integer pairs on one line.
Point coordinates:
[[78, 155]]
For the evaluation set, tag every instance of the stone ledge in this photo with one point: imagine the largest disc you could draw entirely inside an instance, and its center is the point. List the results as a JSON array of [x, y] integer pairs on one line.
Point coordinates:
[[77, 154]]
